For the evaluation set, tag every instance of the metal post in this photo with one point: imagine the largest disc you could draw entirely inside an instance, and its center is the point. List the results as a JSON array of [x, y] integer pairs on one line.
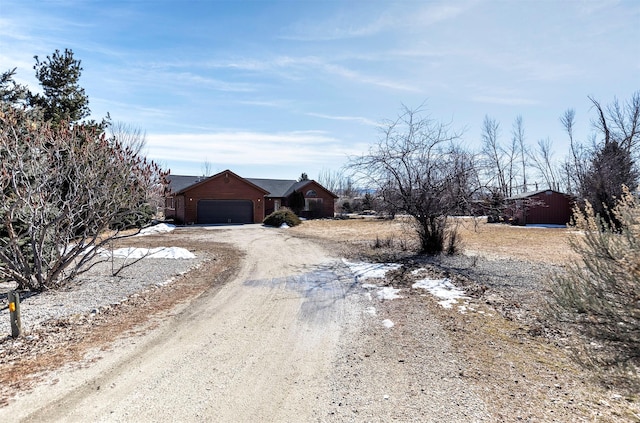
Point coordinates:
[[14, 314]]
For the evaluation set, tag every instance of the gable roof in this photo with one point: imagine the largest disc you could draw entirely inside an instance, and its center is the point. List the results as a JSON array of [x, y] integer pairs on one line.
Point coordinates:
[[276, 188], [179, 182]]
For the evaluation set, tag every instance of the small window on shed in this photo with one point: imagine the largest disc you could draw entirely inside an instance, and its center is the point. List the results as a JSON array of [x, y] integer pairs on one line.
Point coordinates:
[[549, 192], [311, 193]]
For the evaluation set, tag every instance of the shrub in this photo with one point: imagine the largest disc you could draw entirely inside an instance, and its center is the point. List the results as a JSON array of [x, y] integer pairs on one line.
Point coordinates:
[[284, 215], [141, 218], [599, 294]]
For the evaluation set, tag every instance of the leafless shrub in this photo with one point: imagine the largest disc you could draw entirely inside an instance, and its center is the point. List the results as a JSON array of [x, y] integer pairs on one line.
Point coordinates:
[[418, 169], [383, 243], [599, 295], [65, 189]]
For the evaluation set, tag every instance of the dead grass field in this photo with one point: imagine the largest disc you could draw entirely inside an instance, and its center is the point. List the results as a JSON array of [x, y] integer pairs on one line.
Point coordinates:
[[534, 244]]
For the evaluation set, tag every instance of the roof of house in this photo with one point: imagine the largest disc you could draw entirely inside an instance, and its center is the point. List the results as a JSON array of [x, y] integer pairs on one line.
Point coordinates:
[[274, 187], [179, 182]]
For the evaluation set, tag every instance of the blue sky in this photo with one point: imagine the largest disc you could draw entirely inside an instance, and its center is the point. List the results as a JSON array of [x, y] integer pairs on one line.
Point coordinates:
[[276, 88]]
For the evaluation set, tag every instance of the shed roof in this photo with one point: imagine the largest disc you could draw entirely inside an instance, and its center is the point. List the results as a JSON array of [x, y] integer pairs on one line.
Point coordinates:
[[533, 193]]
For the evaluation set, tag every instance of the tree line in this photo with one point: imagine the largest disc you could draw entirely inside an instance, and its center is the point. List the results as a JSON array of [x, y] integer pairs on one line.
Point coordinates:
[[419, 167]]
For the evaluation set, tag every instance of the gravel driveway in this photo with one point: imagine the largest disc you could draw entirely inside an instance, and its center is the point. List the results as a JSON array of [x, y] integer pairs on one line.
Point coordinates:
[[294, 337]]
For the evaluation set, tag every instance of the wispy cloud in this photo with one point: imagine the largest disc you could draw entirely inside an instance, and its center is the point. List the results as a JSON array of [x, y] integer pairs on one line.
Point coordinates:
[[504, 101], [338, 27], [363, 23], [246, 148], [296, 68], [358, 119]]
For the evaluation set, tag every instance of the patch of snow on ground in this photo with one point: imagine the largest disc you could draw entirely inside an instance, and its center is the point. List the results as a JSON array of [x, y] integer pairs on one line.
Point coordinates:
[[363, 270], [441, 288], [160, 252], [387, 323], [284, 226], [388, 293], [371, 311], [156, 229]]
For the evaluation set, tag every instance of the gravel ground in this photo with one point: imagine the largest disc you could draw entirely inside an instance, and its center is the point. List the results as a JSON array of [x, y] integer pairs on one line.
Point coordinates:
[[486, 367], [517, 288], [94, 291]]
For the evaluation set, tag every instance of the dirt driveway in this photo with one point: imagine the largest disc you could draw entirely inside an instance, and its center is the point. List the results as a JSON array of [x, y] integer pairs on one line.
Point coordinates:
[[265, 347]]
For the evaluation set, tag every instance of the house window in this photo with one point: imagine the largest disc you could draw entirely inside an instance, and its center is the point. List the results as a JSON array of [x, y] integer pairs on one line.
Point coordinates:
[[170, 203], [312, 204], [311, 193], [276, 205]]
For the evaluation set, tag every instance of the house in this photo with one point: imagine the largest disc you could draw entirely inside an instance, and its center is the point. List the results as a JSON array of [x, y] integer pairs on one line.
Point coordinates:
[[539, 207], [228, 198]]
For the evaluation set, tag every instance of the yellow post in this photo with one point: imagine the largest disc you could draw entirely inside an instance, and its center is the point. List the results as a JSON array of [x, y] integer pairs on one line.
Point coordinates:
[[14, 314]]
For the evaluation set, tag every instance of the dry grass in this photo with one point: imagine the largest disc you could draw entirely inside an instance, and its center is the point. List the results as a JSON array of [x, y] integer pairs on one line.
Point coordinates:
[[549, 245]]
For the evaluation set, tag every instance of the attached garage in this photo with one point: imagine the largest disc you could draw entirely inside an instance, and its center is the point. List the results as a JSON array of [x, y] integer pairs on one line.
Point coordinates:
[[225, 211], [221, 198]]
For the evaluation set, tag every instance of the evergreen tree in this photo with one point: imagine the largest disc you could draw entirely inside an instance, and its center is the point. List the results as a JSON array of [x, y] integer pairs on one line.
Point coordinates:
[[611, 169], [63, 98], [11, 93], [296, 201]]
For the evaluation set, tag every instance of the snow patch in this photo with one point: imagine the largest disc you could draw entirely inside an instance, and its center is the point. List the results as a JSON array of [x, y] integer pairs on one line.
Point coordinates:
[[284, 226], [156, 229], [441, 288], [156, 253], [388, 293], [363, 270], [387, 323]]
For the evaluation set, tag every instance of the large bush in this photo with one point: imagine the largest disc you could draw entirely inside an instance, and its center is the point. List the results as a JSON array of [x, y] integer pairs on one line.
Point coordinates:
[[284, 215], [65, 191], [599, 294]]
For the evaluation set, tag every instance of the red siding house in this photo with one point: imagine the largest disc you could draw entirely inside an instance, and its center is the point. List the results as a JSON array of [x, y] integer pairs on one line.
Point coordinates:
[[540, 207], [229, 198]]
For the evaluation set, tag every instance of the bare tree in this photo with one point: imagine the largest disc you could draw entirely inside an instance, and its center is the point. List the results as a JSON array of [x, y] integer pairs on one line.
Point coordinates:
[[207, 168], [128, 136], [598, 171], [417, 169], [542, 160], [494, 155], [332, 180], [520, 146], [575, 165], [65, 190]]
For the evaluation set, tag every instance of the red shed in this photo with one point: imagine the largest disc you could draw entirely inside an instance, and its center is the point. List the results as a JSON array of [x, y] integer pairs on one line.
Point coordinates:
[[540, 207]]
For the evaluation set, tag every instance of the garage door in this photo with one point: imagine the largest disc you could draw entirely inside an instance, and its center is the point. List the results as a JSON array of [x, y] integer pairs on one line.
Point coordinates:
[[225, 211]]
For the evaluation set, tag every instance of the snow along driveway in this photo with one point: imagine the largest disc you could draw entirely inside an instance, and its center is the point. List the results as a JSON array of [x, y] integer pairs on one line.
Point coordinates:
[[267, 347]]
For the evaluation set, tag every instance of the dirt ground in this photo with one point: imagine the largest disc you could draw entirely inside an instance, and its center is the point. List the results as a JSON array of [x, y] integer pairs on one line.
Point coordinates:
[[537, 244], [271, 328], [523, 375]]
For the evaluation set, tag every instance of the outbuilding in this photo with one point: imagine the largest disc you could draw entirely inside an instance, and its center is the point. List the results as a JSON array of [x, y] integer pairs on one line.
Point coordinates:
[[228, 198], [547, 207]]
